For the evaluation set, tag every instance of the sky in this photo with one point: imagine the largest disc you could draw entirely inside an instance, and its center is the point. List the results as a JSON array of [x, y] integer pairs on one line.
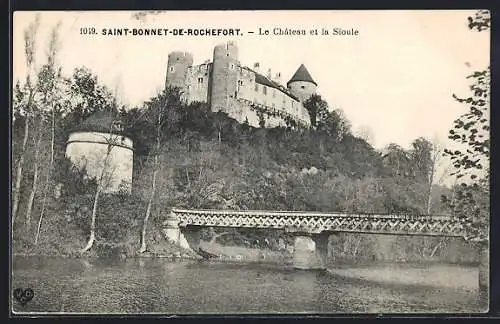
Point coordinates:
[[395, 78]]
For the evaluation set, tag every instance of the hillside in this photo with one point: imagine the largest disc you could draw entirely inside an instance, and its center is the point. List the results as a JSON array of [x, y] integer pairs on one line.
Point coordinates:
[[207, 160]]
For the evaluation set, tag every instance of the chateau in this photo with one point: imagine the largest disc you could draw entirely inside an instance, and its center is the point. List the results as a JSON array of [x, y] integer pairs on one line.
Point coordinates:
[[243, 93]]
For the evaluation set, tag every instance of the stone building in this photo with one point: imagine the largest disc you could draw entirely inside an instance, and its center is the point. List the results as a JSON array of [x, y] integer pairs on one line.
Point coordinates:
[[243, 93], [88, 145]]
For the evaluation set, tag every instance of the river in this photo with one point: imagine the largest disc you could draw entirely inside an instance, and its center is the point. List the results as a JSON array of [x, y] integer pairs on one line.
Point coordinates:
[[161, 286]]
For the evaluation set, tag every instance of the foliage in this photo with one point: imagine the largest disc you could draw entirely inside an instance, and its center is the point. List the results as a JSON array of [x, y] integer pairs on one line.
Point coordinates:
[[330, 122], [471, 131], [209, 160], [472, 128], [481, 20]]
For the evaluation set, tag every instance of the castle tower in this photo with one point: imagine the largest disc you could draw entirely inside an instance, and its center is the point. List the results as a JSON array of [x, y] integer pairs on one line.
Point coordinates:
[[302, 84], [224, 77], [178, 63], [87, 148]]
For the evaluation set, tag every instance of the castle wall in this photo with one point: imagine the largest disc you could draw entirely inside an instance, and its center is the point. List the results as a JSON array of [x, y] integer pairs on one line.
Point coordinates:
[[224, 77], [89, 149], [230, 88], [246, 84], [249, 89], [242, 112], [197, 83], [177, 66]]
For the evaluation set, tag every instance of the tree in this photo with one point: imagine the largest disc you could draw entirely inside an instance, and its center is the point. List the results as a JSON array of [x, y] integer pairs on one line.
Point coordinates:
[[87, 96], [221, 122], [105, 177], [37, 135], [421, 159], [472, 128], [365, 132], [330, 122], [437, 173], [157, 107], [397, 160], [24, 105], [50, 79], [317, 108], [481, 20], [471, 131]]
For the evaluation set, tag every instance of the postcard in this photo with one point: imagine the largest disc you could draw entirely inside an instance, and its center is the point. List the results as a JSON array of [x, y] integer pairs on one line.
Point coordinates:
[[250, 162]]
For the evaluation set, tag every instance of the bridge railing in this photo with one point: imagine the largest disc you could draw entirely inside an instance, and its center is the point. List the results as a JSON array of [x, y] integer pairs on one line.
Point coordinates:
[[314, 222], [264, 213]]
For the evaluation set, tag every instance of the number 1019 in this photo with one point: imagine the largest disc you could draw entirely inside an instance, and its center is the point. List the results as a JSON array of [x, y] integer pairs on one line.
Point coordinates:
[[87, 31]]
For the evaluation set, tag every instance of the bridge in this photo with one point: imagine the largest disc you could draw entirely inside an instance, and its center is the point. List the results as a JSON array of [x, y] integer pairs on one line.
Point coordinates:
[[311, 230]]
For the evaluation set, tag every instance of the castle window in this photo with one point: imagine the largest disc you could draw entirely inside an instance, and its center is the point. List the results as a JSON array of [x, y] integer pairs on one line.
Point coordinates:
[[240, 82], [200, 80], [172, 69], [256, 87], [236, 94], [264, 90], [227, 54], [231, 66], [303, 87]]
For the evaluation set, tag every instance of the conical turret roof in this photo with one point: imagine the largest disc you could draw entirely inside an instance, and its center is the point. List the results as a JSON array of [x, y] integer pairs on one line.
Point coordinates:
[[302, 75]]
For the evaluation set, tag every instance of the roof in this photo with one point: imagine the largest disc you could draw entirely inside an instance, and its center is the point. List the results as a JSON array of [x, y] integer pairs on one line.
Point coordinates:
[[259, 78], [302, 75], [101, 121]]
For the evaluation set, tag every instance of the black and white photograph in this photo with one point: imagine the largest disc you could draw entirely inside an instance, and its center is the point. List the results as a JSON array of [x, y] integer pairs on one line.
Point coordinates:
[[250, 162]]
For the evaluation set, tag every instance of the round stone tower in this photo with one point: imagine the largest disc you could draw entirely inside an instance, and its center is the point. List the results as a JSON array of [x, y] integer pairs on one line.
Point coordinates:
[[178, 63], [224, 77], [87, 148], [302, 84]]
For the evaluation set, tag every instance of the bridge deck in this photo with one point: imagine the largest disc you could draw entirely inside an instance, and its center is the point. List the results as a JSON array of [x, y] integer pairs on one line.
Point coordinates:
[[281, 213], [315, 222]]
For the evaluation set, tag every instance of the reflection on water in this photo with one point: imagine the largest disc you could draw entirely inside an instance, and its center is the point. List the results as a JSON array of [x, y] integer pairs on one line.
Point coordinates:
[[162, 286]]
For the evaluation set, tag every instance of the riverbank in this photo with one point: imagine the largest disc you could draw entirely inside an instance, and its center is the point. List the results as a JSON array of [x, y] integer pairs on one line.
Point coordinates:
[[65, 230], [69, 244]]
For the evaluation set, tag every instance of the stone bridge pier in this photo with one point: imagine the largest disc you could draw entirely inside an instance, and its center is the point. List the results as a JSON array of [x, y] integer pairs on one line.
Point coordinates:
[[187, 237], [310, 250]]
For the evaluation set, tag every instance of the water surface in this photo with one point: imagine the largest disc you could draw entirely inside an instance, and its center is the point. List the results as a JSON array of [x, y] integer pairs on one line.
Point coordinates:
[[138, 286]]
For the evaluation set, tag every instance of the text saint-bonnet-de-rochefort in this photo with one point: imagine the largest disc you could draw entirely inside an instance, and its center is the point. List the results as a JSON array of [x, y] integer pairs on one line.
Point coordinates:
[[337, 31]]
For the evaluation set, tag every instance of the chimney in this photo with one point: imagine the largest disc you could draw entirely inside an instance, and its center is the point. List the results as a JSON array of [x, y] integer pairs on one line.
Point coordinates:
[[269, 74], [256, 67], [277, 78]]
